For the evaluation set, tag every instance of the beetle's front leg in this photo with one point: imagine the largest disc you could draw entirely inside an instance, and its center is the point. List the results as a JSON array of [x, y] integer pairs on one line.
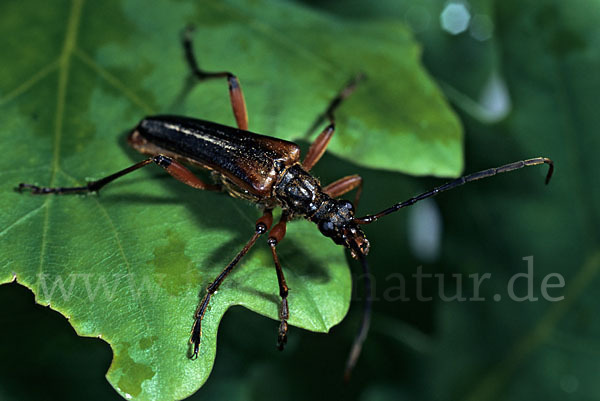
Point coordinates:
[[275, 236], [262, 226], [344, 185]]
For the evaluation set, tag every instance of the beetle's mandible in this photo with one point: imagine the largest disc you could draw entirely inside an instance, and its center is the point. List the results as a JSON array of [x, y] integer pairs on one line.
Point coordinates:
[[266, 171]]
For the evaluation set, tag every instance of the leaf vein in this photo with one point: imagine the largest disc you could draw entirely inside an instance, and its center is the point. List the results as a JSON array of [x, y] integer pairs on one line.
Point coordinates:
[[113, 81], [63, 63], [20, 220], [29, 83]]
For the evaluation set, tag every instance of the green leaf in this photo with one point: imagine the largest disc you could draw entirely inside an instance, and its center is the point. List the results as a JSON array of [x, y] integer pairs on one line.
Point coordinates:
[[129, 264]]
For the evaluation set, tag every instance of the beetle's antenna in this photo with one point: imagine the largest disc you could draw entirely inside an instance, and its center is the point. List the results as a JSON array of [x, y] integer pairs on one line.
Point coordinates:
[[361, 336], [461, 181]]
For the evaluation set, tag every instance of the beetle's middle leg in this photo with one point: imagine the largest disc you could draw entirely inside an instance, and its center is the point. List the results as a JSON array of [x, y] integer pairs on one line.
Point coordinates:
[[317, 148], [173, 167], [262, 226], [275, 237], [236, 95]]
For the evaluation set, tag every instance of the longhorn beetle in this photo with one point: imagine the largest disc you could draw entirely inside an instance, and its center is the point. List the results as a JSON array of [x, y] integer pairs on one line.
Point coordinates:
[[266, 171]]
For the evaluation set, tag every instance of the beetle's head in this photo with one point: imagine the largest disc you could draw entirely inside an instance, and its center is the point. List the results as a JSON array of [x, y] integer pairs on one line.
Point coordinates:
[[335, 220]]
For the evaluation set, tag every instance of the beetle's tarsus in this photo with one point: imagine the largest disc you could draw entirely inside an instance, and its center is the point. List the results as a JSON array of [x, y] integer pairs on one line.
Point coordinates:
[[33, 189], [282, 337], [550, 164], [195, 337], [195, 353]]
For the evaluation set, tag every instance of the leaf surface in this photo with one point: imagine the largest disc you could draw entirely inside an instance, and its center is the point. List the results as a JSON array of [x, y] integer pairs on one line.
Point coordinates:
[[129, 264]]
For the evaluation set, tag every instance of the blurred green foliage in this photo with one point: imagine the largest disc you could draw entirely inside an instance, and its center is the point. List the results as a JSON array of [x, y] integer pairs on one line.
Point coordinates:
[[546, 54]]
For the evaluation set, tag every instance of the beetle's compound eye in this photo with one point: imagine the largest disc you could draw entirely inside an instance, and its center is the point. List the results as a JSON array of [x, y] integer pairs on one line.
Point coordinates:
[[347, 205], [327, 228]]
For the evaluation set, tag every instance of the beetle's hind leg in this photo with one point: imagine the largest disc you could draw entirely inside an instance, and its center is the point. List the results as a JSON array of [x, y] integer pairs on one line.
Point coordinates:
[[173, 167], [236, 95]]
